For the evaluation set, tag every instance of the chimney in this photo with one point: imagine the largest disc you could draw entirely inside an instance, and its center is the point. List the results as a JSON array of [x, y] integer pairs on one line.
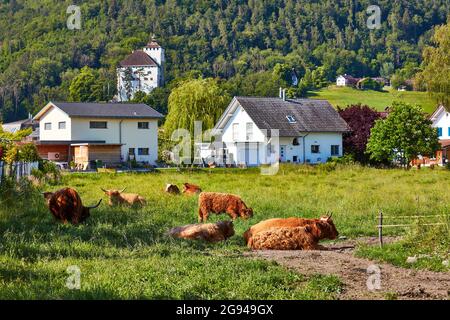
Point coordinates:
[[284, 94], [280, 95]]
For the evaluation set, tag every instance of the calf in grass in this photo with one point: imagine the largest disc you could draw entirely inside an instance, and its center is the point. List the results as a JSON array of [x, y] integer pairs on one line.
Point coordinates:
[[191, 189], [210, 232], [117, 197], [222, 203], [294, 238]]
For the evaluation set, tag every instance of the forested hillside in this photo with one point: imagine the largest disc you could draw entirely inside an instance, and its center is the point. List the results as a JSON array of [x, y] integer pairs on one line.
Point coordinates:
[[240, 41]]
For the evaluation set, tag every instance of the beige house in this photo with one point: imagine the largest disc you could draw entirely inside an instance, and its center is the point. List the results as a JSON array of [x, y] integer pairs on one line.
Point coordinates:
[[109, 132]]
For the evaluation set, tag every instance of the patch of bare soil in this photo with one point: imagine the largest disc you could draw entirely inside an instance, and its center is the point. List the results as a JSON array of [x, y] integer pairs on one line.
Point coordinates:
[[396, 282]]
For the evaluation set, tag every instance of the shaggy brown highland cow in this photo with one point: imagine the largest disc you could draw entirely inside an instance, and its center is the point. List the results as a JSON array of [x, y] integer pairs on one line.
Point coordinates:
[[191, 189], [222, 202], [286, 223], [294, 238], [66, 206], [210, 232]]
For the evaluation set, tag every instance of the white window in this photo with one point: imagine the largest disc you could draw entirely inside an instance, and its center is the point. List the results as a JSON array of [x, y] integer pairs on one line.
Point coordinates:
[[143, 151], [235, 131], [335, 150], [143, 125], [249, 130], [291, 119], [48, 126], [62, 125], [98, 125]]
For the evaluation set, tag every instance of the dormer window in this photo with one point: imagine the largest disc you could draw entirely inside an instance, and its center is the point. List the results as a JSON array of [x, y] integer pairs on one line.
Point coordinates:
[[291, 119]]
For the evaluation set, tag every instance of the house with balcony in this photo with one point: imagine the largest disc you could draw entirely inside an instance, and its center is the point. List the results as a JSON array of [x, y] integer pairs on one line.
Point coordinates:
[[254, 130]]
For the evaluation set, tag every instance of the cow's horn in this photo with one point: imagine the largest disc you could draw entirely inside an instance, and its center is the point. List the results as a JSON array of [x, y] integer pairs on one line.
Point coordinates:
[[123, 190], [97, 205], [104, 190], [329, 217]]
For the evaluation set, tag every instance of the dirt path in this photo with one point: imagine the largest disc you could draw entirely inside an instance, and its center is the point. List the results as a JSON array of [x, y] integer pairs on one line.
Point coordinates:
[[395, 281]]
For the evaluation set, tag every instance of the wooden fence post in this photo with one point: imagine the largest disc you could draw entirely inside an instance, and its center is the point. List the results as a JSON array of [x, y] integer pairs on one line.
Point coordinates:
[[380, 228]]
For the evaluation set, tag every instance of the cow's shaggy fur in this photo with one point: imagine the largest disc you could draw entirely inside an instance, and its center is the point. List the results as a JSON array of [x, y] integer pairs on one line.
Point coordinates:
[[210, 232], [172, 189], [191, 189], [294, 238], [287, 223], [118, 198], [222, 203], [66, 206]]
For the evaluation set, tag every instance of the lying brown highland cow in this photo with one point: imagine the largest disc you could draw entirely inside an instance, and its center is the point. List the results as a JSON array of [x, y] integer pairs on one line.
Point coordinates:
[[117, 197], [294, 238], [172, 189], [66, 206], [210, 232], [286, 223], [220, 203], [191, 189]]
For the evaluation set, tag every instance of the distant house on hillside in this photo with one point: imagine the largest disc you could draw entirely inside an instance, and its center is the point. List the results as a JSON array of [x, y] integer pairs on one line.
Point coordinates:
[[143, 70], [15, 126], [440, 120], [109, 132], [310, 131], [346, 81]]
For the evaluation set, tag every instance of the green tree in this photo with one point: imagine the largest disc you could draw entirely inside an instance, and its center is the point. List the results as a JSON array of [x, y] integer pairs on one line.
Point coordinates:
[[403, 135], [82, 86], [436, 66], [195, 100]]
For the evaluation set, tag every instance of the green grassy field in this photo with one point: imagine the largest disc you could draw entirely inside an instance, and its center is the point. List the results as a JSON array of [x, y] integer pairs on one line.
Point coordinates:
[[125, 254], [344, 96]]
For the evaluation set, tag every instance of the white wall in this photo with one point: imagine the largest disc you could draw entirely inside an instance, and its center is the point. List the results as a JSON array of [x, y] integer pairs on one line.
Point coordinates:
[[54, 116], [132, 137], [443, 121], [152, 74], [341, 82]]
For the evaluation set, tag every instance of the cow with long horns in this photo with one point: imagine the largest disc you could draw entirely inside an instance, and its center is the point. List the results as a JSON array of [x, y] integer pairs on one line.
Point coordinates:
[[66, 206], [117, 197]]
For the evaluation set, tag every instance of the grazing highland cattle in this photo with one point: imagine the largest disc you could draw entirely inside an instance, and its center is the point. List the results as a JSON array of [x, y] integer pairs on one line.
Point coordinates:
[[222, 202], [210, 232], [191, 189], [117, 197], [65, 205], [284, 223], [294, 238], [172, 189]]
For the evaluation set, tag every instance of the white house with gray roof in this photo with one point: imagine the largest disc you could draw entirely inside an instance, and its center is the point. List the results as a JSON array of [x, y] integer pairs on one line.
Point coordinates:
[[310, 131], [110, 132]]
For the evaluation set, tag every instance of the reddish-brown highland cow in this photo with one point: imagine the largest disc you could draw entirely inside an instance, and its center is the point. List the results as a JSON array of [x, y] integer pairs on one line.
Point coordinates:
[[191, 189], [222, 203], [294, 238], [210, 232], [117, 197], [284, 223], [66, 206]]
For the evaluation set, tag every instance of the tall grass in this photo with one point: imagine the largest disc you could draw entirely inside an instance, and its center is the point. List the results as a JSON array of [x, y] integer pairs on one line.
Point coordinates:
[[125, 253]]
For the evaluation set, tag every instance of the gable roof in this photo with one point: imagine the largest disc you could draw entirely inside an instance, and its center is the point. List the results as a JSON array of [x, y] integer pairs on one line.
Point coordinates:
[[138, 58], [102, 110], [439, 109], [271, 113]]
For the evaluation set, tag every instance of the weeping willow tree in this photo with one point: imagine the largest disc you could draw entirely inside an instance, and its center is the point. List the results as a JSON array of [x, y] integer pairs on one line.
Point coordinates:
[[194, 100]]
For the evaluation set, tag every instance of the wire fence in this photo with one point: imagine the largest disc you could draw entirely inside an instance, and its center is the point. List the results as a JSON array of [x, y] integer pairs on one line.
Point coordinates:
[[382, 218]]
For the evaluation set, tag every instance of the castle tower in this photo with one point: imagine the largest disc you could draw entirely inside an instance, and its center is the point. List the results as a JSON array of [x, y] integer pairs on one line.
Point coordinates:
[[156, 52]]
